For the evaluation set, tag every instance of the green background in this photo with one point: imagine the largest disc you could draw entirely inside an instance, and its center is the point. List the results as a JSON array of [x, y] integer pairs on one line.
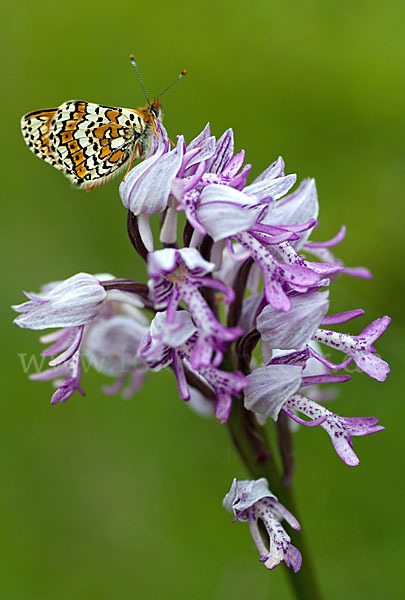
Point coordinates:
[[104, 498]]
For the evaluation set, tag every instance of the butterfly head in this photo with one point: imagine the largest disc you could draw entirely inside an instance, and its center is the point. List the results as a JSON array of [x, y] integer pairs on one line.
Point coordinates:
[[151, 112], [154, 109]]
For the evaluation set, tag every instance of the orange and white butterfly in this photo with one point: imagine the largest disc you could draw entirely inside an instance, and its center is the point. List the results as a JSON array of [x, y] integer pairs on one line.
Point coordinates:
[[91, 143]]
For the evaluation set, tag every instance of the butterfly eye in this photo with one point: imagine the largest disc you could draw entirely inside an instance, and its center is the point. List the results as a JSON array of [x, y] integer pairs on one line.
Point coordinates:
[[155, 111]]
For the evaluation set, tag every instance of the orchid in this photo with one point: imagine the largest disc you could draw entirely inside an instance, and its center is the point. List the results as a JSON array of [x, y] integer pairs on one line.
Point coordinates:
[[251, 501], [232, 304]]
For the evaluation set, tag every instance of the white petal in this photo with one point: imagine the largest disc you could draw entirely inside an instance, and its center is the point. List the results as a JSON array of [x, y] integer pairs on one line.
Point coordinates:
[[244, 493], [194, 260], [70, 303], [270, 387], [224, 211], [299, 207], [296, 329], [274, 188]]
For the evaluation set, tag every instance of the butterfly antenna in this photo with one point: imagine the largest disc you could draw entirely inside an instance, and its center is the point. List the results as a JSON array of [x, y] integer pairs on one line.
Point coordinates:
[[182, 74], [132, 59]]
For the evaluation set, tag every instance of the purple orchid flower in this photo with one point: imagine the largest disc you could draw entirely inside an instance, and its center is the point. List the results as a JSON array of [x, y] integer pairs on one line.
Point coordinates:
[[252, 500], [177, 275], [175, 344]]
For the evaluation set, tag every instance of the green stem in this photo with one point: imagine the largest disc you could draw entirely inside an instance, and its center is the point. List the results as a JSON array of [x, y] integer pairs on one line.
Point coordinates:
[[251, 443]]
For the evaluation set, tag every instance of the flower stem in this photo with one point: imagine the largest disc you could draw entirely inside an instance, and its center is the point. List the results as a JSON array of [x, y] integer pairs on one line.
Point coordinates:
[[252, 445]]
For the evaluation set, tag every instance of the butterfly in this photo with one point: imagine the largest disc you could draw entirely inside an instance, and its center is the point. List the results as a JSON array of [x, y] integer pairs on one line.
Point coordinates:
[[90, 143]]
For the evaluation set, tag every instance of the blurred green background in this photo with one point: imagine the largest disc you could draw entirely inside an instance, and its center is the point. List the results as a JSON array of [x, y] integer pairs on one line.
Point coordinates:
[[103, 498]]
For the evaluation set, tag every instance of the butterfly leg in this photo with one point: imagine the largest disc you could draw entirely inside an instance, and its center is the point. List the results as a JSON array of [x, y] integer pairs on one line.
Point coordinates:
[[132, 157]]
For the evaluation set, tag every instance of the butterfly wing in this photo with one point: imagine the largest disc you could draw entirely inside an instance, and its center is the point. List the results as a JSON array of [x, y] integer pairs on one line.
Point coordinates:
[[35, 127], [90, 143]]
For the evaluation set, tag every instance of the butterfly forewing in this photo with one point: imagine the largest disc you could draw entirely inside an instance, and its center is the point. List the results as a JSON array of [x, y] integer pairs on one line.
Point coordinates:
[[88, 142]]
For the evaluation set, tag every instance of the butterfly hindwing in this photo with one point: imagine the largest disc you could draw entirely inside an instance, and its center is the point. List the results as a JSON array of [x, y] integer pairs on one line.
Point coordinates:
[[88, 142], [35, 128], [93, 142]]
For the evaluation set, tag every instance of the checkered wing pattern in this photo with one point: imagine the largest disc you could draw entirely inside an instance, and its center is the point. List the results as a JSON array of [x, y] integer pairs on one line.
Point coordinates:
[[89, 143], [35, 128]]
